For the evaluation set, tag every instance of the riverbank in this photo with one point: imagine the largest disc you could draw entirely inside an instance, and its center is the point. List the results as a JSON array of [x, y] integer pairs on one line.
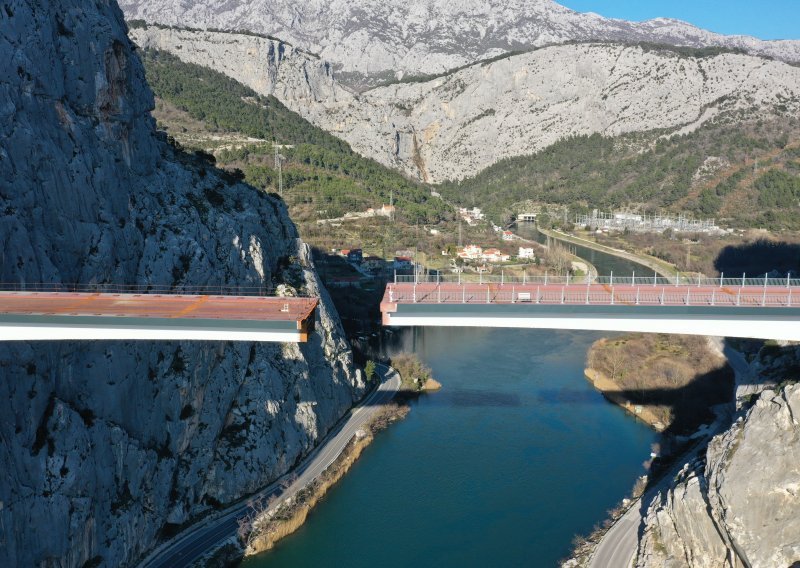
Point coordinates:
[[656, 265], [273, 524], [270, 521], [670, 382], [616, 395]]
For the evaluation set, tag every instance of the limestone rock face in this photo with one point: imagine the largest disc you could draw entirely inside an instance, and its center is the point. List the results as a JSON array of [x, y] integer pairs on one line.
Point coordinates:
[[268, 66], [739, 507], [457, 125], [378, 38], [108, 445]]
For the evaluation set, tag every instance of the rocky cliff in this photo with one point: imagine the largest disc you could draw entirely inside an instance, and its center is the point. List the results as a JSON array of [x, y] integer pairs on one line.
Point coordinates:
[[108, 446], [268, 66], [456, 125], [738, 506], [371, 39]]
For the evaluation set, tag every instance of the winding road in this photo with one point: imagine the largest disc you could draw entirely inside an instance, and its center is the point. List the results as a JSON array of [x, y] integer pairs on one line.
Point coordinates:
[[208, 534]]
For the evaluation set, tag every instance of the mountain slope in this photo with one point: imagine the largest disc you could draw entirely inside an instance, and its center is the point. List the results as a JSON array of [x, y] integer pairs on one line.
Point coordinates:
[[378, 39], [457, 125], [320, 167], [454, 126], [745, 172], [110, 446]]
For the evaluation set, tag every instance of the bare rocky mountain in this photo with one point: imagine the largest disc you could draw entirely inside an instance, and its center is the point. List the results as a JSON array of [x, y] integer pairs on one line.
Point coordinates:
[[456, 125], [737, 506], [109, 446], [367, 40]]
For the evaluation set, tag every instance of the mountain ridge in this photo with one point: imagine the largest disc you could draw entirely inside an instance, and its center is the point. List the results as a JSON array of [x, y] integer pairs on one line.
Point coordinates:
[[374, 40], [456, 125]]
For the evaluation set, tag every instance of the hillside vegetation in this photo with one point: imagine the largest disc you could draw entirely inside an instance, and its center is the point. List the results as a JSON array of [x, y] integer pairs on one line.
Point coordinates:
[[746, 172], [322, 176], [674, 378]]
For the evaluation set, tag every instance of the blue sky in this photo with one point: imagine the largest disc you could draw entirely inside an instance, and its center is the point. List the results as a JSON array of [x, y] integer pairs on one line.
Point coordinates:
[[766, 19]]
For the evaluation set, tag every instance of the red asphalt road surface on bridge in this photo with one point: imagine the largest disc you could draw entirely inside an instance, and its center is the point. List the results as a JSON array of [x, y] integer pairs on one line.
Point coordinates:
[[598, 294], [168, 306]]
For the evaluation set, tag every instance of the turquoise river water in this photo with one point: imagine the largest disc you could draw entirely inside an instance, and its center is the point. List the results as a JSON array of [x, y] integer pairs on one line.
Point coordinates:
[[502, 467]]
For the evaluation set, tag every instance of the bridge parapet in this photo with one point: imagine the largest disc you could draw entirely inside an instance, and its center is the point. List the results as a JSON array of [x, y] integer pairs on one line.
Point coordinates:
[[112, 288], [592, 294], [768, 311], [611, 280]]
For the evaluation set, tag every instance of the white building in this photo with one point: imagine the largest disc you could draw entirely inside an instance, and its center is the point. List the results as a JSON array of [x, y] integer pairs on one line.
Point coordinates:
[[471, 216], [495, 255], [526, 252], [471, 252]]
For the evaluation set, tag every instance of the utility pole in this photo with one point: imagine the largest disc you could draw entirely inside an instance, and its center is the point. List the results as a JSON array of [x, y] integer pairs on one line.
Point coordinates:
[[278, 167]]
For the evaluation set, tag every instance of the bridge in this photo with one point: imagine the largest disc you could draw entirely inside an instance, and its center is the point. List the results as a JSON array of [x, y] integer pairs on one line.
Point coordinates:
[[733, 307], [57, 312]]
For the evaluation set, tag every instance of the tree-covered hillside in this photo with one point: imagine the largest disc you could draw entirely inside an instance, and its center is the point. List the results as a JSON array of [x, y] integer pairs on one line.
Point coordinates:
[[747, 172], [321, 175]]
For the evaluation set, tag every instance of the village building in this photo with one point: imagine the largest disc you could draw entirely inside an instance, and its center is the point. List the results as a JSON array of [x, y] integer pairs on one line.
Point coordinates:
[[403, 263], [355, 256], [471, 252], [471, 216], [474, 252], [373, 264], [495, 255]]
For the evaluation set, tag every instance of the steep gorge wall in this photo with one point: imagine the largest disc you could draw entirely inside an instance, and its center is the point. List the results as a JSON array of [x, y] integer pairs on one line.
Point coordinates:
[[108, 445]]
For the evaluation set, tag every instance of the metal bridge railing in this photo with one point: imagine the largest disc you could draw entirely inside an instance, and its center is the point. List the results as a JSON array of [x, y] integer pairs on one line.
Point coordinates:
[[611, 280], [605, 295], [108, 288]]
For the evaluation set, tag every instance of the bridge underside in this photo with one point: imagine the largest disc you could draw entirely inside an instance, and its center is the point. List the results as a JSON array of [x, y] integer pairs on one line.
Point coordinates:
[[105, 328], [154, 317], [752, 322]]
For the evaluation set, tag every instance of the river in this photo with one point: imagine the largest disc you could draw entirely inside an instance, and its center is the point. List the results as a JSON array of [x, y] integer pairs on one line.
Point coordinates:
[[502, 467], [605, 263]]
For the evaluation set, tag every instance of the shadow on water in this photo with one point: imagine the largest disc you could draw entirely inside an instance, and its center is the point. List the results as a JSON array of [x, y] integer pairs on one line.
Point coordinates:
[[569, 396], [758, 258], [475, 398]]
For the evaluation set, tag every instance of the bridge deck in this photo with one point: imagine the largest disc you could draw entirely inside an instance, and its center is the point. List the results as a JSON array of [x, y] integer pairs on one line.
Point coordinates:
[[592, 294], [51, 315], [767, 312]]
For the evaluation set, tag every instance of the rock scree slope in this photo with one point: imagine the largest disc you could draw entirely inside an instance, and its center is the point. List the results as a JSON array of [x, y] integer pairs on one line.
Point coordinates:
[[109, 446]]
